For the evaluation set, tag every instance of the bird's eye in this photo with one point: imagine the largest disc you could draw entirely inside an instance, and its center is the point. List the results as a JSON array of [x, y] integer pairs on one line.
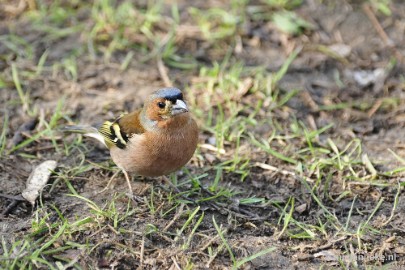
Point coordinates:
[[161, 105]]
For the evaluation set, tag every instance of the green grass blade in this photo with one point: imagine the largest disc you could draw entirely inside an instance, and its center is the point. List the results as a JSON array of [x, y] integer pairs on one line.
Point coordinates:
[[221, 235], [272, 152], [3, 135], [254, 256]]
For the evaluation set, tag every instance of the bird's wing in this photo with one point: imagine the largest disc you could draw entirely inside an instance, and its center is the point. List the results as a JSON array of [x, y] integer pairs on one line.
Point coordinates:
[[118, 132]]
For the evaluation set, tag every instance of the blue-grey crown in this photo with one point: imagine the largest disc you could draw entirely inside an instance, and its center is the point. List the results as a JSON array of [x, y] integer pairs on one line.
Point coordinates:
[[169, 93]]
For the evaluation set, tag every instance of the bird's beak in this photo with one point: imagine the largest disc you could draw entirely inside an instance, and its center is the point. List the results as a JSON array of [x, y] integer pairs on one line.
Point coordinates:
[[179, 107]]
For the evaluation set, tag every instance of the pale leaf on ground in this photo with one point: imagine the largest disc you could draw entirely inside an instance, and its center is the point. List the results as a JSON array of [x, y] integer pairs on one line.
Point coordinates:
[[38, 179]]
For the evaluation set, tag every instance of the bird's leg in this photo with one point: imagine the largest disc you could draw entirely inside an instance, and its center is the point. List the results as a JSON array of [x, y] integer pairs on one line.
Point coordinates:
[[128, 181]]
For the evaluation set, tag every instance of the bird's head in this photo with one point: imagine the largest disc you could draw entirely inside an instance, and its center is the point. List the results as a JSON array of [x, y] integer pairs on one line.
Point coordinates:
[[165, 106]]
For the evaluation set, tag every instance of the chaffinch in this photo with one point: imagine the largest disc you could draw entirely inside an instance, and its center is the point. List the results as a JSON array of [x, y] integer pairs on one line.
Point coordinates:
[[153, 141]]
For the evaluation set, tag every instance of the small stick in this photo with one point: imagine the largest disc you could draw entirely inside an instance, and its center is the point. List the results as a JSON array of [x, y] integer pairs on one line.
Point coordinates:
[[371, 16], [142, 252], [163, 73], [109, 182], [12, 197], [265, 166], [380, 31], [375, 107], [176, 217], [175, 263], [10, 207]]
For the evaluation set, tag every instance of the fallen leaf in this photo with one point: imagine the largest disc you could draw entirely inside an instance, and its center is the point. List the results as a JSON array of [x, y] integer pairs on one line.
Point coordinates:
[[38, 179]]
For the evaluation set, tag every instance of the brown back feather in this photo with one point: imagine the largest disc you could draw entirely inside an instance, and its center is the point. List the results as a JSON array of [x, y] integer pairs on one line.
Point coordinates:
[[131, 123]]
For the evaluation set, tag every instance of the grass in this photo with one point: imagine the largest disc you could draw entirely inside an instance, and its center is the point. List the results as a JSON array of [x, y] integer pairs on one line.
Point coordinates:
[[264, 180]]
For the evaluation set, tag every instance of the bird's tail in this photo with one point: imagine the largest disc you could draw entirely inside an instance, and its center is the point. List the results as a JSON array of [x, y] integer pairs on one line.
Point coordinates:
[[87, 131]]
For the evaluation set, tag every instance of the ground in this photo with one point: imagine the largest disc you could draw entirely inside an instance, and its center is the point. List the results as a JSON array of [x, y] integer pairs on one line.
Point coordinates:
[[301, 157]]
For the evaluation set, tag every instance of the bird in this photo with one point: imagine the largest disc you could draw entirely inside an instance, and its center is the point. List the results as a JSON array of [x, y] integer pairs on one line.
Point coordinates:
[[156, 140]]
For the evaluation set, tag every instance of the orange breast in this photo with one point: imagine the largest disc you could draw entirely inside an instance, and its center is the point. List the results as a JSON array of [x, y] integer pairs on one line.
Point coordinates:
[[156, 154]]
